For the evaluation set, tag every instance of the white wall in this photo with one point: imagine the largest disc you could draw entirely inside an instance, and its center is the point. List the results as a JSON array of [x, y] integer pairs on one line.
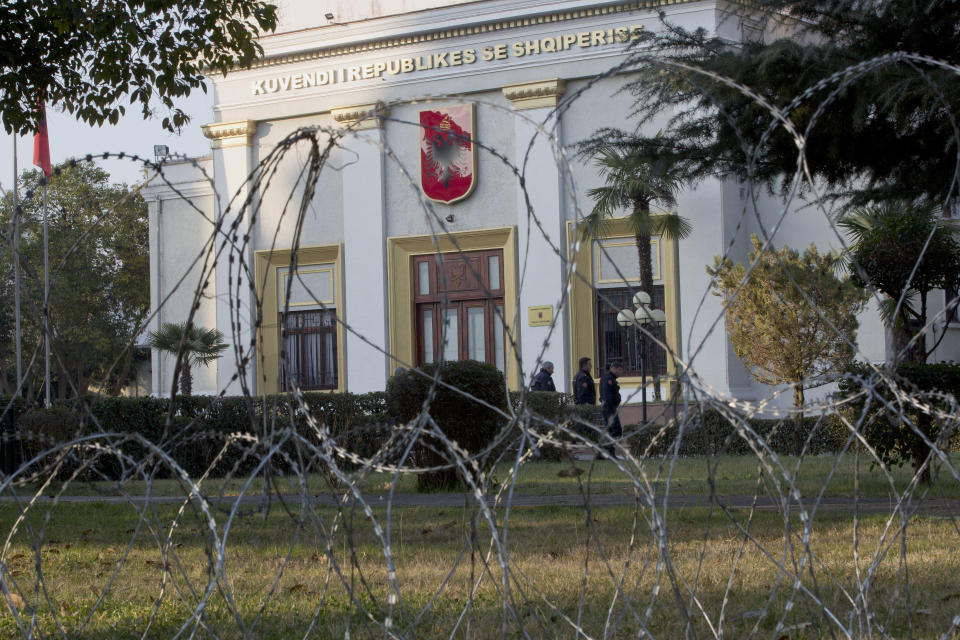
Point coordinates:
[[493, 202], [323, 223], [294, 16], [179, 237]]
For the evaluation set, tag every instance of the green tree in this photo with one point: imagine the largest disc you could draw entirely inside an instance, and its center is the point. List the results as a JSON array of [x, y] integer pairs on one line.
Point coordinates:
[[635, 183], [886, 129], [790, 319], [99, 279], [904, 250], [90, 58], [190, 345], [892, 426]]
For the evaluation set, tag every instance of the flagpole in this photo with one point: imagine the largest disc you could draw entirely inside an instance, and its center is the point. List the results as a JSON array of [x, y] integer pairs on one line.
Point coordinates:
[[16, 267], [41, 158], [46, 301]]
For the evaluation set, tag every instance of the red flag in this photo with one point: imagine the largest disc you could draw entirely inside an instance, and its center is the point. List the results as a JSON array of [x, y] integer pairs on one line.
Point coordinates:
[[41, 144]]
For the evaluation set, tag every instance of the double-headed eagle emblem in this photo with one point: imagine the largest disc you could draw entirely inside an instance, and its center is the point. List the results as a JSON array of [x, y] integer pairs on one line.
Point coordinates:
[[447, 153]]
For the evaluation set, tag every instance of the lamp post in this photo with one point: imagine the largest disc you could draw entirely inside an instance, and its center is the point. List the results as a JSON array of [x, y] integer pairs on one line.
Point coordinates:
[[646, 318]]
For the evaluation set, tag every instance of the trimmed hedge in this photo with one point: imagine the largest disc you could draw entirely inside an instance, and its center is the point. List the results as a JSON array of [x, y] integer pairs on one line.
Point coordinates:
[[710, 433], [547, 409], [892, 437], [705, 433], [10, 448], [199, 426], [470, 424], [198, 429]]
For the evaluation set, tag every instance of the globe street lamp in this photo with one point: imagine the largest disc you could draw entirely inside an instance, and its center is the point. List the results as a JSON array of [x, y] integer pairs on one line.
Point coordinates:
[[646, 318]]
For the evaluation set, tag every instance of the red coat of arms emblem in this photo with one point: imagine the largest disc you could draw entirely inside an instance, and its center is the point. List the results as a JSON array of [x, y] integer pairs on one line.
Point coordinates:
[[447, 153]]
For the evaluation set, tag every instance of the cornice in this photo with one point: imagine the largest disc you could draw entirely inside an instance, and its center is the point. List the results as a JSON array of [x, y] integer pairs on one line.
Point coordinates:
[[456, 32], [535, 95], [363, 116], [230, 134]]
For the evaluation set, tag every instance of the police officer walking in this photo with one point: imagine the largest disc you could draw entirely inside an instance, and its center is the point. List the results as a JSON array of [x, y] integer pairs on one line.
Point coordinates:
[[610, 401], [584, 388], [544, 379]]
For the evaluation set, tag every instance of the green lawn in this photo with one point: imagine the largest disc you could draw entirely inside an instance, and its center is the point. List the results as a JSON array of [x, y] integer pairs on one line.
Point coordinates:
[[279, 578], [732, 475]]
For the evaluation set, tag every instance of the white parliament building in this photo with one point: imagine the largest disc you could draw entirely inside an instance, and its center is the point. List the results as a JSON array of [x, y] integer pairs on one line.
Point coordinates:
[[360, 275]]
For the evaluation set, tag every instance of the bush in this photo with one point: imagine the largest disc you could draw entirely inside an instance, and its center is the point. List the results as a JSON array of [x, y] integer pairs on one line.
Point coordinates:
[[11, 408], [42, 429], [198, 429], [470, 424], [888, 432], [547, 409], [708, 432]]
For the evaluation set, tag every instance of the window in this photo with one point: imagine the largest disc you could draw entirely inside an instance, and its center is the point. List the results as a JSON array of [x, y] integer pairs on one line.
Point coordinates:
[[309, 358], [618, 343], [456, 305]]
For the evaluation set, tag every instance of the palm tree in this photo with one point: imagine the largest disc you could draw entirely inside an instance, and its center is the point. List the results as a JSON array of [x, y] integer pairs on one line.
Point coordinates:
[[635, 183], [904, 250], [196, 344]]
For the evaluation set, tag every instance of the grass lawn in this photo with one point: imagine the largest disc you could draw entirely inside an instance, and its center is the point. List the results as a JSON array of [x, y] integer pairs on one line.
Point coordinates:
[[280, 580], [731, 475]]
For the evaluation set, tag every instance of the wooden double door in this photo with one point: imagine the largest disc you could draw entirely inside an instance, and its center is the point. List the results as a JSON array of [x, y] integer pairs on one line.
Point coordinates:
[[458, 307]]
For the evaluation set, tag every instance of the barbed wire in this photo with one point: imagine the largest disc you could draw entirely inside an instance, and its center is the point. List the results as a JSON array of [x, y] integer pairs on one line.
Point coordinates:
[[290, 522]]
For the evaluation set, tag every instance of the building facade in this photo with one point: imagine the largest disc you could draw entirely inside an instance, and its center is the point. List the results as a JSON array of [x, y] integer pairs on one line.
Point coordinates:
[[327, 262]]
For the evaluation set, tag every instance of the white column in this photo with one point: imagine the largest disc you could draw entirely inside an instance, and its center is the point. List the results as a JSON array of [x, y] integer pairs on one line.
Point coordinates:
[[364, 250], [155, 209], [539, 270], [232, 163]]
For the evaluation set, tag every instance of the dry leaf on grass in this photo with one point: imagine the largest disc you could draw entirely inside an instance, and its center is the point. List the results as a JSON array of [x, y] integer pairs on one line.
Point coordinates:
[[570, 472], [296, 587], [17, 601]]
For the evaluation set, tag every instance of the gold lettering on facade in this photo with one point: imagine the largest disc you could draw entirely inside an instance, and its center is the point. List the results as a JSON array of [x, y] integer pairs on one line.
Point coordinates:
[[441, 59]]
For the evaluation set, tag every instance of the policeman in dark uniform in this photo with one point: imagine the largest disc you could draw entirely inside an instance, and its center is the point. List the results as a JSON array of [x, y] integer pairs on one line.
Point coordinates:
[[544, 379], [584, 388], [610, 401]]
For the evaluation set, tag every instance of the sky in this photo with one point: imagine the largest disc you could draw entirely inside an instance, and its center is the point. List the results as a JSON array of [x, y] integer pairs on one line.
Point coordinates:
[[132, 135]]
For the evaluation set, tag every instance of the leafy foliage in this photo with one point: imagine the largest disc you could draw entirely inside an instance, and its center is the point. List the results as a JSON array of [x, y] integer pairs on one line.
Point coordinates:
[[88, 57], [709, 433], [194, 432], [99, 279], [886, 129], [548, 408], [789, 319], [470, 424], [634, 183], [903, 248], [191, 345], [889, 426]]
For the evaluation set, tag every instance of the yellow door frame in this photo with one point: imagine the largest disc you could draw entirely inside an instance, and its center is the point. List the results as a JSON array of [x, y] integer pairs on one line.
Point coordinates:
[[400, 250]]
